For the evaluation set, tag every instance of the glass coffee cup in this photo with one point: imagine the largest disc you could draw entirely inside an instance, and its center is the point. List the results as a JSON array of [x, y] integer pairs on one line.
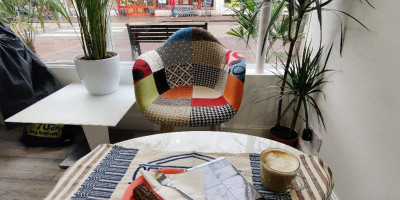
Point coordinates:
[[278, 169]]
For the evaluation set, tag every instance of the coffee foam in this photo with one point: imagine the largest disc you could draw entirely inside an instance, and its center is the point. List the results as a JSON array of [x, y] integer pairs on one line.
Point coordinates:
[[280, 161]]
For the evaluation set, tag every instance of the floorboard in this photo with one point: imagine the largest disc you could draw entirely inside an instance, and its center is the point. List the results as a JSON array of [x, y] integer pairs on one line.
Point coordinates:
[[32, 172]]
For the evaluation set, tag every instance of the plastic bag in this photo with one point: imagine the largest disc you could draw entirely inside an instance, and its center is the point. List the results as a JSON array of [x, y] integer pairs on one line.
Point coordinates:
[[47, 135]]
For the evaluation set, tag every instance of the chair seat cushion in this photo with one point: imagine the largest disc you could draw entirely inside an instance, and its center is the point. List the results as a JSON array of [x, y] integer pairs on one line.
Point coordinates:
[[190, 106]]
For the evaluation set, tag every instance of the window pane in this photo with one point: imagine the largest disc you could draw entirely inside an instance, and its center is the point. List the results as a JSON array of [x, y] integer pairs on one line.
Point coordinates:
[[61, 43]]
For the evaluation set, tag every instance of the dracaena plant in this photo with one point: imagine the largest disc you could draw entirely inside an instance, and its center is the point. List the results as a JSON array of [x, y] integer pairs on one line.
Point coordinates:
[[298, 10], [23, 16], [93, 17], [306, 75]]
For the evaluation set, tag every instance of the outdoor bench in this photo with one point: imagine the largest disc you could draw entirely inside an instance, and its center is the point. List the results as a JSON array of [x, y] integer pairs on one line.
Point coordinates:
[[154, 33]]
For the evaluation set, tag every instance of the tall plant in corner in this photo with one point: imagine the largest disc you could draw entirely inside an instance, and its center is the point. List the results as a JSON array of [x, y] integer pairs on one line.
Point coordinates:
[[98, 69], [297, 12], [306, 76]]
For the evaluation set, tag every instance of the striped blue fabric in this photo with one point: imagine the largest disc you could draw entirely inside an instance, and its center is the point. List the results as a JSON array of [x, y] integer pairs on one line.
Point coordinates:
[[104, 179]]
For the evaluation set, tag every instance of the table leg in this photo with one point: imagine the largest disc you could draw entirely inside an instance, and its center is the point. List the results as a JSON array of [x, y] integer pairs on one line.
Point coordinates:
[[81, 150], [96, 135]]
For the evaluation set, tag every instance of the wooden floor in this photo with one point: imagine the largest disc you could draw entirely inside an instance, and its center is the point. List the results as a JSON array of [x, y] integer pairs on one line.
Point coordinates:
[[31, 173]]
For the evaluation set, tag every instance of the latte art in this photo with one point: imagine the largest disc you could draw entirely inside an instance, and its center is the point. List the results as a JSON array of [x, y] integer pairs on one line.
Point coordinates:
[[280, 161]]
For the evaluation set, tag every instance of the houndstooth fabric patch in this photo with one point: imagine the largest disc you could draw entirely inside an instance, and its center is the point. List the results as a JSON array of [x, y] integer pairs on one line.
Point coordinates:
[[205, 76], [179, 75], [176, 52], [211, 115]]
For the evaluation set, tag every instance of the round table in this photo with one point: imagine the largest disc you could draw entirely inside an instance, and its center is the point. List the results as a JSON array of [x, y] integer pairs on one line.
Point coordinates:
[[108, 164], [206, 141]]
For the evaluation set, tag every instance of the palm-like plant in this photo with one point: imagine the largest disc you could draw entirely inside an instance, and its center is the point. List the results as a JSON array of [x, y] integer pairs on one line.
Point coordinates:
[[246, 12], [93, 17], [305, 78], [23, 16], [297, 12]]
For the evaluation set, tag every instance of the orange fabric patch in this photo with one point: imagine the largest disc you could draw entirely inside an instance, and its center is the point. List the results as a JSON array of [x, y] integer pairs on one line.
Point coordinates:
[[220, 101], [179, 92], [233, 91]]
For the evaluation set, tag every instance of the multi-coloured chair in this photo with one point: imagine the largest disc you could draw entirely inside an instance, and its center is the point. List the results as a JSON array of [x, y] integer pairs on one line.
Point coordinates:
[[191, 80]]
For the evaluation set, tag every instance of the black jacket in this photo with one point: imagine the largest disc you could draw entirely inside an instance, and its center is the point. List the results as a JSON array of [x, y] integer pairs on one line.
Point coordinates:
[[24, 79]]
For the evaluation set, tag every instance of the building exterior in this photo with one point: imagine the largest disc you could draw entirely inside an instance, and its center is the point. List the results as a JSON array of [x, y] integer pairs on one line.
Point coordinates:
[[162, 8]]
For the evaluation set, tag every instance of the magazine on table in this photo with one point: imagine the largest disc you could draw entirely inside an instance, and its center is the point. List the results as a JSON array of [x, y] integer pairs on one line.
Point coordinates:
[[223, 181]]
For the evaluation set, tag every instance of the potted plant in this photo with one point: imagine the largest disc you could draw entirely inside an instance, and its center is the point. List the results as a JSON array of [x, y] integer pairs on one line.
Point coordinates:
[[23, 16], [286, 28], [306, 76], [298, 10], [98, 68]]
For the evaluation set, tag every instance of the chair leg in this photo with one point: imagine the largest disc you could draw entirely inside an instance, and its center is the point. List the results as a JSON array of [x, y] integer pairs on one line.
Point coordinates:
[[215, 128], [166, 129]]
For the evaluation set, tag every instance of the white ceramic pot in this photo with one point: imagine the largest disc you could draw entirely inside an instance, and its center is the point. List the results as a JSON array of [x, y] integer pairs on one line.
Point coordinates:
[[100, 77]]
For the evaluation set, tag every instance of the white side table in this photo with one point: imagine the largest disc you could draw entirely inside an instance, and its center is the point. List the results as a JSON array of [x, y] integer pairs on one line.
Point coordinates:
[[75, 106]]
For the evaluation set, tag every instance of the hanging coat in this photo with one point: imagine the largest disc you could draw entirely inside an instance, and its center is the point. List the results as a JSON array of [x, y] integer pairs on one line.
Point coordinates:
[[24, 79]]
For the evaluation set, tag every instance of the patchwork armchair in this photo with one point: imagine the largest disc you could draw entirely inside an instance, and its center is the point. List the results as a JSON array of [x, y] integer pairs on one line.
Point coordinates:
[[191, 80]]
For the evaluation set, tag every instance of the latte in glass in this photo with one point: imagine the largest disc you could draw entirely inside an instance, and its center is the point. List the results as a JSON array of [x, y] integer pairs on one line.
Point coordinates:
[[278, 169]]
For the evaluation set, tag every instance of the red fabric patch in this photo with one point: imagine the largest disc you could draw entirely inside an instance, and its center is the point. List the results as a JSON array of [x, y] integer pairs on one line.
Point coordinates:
[[236, 55], [231, 57], [141, 69], [228, 53], [200, 102]]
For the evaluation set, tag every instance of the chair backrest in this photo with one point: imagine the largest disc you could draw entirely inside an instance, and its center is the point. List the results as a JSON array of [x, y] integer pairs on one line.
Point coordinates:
[[194, 57]]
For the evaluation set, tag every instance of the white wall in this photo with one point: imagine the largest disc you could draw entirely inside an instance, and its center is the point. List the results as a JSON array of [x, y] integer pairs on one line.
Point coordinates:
[[362, 109]]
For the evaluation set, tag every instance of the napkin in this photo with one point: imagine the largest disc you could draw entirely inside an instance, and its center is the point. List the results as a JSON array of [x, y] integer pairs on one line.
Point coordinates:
[[192, 183], [317, 179]]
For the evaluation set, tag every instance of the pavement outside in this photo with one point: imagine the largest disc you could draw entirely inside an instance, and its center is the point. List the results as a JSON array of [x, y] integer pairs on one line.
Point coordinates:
[[61, 43]]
